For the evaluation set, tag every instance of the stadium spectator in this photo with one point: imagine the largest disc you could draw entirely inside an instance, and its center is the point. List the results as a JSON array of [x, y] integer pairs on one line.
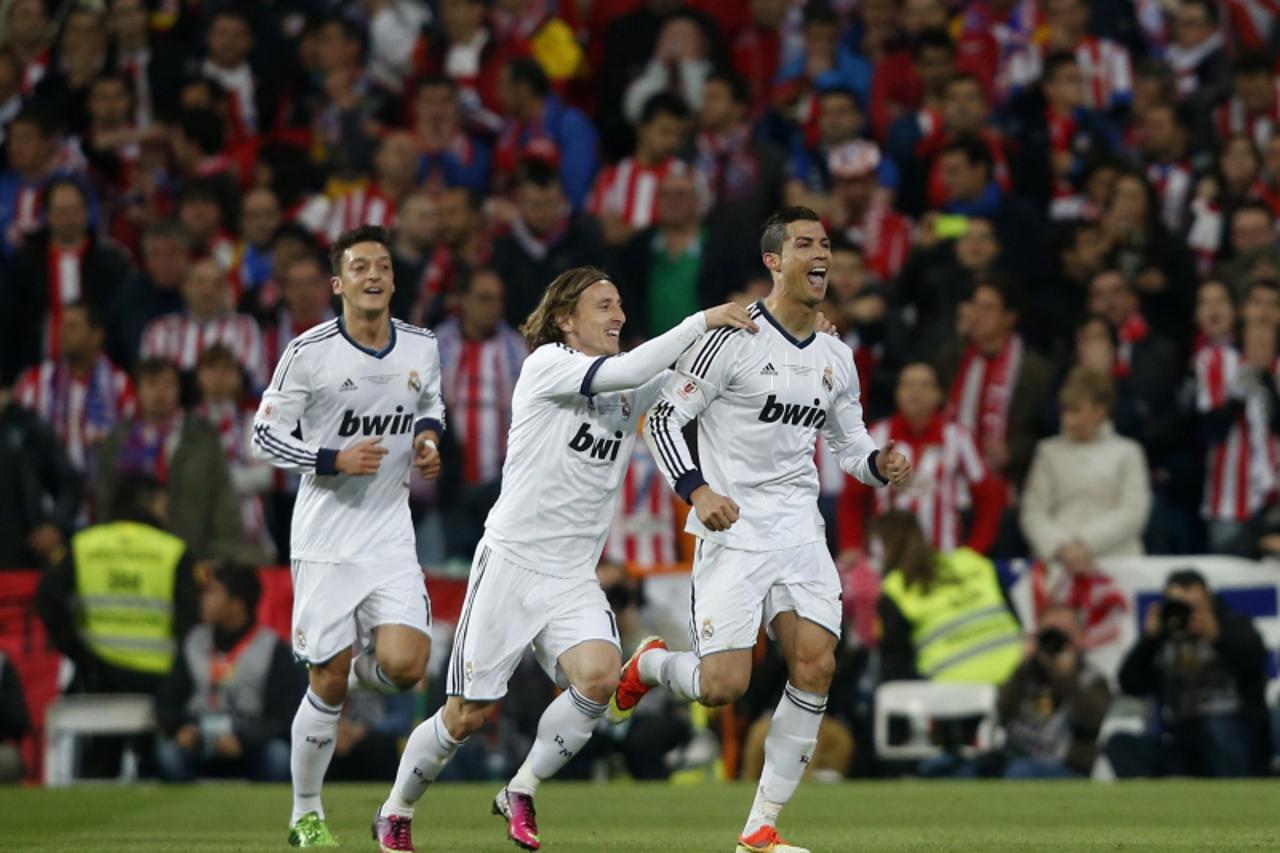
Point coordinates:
[[943, 614], [823, 64], [152, 66], [1107, 74], [756, 52], [306, 301], [30, 32], [200, 144], [63, 263], [201, 210], [1078, 250], [118, 603], [532, 25], [448, 156], [110, 143], [149, 293], [859, 307], [1252, 241], [862, 211], [997, 385], [260, 218], [346, 204], [226, 406], [1166, 150], [81, 54], [225, 707], [40, 492], [625, 196], [15, 723], [1205, 666], [1088, 492], [840, 121], [680, 64], [952, 480], [481, 356], [1198, 58], [546, 238], [183, 453], [81, 394], [413, 245], [678, 264], [540, 126], [1254, 107], [229, 42], [464, 49], [206, 320]]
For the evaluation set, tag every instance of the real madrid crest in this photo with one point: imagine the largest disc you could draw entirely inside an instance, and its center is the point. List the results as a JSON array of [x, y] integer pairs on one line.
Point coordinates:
[[626, 406], [827, 381], [415, 382]]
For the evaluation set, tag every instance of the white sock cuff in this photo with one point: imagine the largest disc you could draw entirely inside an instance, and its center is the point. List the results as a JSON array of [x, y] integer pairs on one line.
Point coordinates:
[[814, 703], [585, 705], [321, 705], [446, 740]]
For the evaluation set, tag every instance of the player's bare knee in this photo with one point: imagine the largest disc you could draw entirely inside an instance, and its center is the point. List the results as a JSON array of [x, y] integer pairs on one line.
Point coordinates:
[[598, 686], [814, 673], [722, 685], [329, 683]]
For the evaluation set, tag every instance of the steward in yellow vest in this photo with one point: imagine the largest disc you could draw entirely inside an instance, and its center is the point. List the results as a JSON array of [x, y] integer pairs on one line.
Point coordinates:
[[943, 616], [124, 594]]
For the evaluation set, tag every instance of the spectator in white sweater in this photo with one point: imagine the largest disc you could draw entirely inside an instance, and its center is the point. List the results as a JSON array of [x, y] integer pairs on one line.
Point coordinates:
[[1088, 493]]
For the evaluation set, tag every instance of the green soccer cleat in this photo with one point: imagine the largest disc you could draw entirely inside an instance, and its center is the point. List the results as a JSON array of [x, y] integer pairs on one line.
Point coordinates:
[[311, 831]]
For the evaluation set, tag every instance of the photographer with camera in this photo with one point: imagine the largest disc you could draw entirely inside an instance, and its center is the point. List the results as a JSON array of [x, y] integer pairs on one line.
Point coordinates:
[[1206, 667], [1053, 705]]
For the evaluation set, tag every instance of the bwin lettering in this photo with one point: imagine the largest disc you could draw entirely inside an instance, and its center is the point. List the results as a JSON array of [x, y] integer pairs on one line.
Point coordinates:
[[793, 413], [395, 424], [599, 448]]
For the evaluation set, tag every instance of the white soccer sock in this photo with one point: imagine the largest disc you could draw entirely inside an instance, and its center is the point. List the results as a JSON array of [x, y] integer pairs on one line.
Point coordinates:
[[564, 729], [366, 674], [429, 749], [793, 734], [315, 727], [679, 672]]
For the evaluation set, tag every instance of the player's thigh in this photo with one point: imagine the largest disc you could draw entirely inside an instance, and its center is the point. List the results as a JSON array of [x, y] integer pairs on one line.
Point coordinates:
[[804, 612], [325, 598], [729, 587], [581, 632], [397, 613], [402, 651], [496, 625]]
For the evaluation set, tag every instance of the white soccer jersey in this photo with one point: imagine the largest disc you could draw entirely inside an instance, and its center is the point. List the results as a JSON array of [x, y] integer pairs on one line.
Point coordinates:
[[566, 456], [329, 393], [761, 401]]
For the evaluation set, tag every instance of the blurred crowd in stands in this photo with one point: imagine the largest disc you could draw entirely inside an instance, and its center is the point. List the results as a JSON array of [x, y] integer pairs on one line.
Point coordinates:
[[1054, 255]]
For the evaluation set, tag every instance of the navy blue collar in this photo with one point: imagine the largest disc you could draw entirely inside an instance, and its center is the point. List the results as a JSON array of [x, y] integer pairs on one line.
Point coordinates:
[[382, 353], [764, 312]]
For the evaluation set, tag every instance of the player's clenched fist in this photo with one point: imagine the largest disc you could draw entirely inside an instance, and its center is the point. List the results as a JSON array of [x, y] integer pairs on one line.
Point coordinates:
[[894, 465], [427, 457], [730, 314], [361, 459], [715, 511]]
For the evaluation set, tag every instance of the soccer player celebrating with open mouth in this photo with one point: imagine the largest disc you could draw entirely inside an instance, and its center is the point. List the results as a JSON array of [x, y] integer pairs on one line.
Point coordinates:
[[574, 414], [354, 403], [761, 401]]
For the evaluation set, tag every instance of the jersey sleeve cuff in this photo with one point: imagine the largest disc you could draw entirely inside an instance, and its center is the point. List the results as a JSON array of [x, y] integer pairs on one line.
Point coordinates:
[[428, 424], [688, 483], [585, 390], [326, 461], [875, 470]]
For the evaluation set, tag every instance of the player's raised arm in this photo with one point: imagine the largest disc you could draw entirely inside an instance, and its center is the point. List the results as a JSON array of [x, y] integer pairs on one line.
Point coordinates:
[[279, 412], [698, 379], [847, 435]]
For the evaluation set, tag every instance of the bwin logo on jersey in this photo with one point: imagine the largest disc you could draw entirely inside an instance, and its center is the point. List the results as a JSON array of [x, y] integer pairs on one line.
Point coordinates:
[[397, 424], [598, 448], [793, 413]]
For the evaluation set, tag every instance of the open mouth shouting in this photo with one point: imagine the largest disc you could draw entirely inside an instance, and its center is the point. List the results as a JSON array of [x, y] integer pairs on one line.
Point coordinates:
[[817, 276]]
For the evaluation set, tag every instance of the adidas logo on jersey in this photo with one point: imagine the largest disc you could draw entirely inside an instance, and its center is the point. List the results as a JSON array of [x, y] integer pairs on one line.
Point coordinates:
[[598, 448], [769, 370], [793, 413], [347, 386], [397, 424]]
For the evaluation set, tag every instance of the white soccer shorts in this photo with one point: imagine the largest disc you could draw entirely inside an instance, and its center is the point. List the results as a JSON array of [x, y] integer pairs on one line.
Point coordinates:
[[510, 607], [336, 604], [733, 590]]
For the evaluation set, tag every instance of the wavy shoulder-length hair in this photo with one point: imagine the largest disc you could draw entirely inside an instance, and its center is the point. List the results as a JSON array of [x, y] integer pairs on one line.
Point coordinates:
[[558, 302]]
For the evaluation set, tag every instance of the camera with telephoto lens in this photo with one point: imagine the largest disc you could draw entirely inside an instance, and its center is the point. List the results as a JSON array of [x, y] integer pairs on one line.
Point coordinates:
[[1175, 618]]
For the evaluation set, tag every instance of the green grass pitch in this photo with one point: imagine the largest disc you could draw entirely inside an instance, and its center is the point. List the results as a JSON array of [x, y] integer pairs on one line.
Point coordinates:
[[579, 818]]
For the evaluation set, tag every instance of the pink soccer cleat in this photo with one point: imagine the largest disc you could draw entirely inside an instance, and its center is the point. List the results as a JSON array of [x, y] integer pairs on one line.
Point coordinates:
[[393, 833], [522, 820]]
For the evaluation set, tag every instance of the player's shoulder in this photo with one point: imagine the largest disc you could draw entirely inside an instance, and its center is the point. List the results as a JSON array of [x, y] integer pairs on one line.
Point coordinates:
[[554, 353], [717, 347], [320, 332], [404, 328]]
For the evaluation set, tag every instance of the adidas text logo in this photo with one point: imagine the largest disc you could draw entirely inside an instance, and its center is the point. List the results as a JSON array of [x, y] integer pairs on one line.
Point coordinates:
[[347, 386], [769, 370]]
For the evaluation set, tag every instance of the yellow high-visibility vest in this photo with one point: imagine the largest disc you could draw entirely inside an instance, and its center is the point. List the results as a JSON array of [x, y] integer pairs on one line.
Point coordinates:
[[125, 577], [961, 630]]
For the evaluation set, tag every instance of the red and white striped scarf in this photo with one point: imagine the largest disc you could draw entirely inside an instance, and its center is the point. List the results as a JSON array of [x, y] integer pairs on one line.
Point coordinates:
[[983, 390], [629, 191], [65, 286]]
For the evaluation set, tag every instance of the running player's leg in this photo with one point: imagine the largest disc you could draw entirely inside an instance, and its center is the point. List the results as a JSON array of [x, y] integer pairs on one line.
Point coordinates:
[[591, 668], [400, 613], [324, 627]]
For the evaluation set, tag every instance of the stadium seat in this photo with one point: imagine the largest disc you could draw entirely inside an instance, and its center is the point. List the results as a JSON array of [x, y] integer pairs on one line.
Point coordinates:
[[72, 717], [924, 704]]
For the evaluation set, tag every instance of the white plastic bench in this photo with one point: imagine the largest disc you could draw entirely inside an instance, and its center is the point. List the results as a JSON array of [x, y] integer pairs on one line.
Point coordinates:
[[922, 702], [72, 717]]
